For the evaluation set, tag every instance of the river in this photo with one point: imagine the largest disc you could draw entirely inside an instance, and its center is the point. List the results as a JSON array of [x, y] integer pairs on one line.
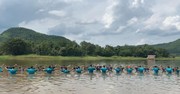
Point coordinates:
[[97, 83]]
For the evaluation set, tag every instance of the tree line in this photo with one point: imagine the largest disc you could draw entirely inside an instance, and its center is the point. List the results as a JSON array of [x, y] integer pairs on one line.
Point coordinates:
[[17, 46]]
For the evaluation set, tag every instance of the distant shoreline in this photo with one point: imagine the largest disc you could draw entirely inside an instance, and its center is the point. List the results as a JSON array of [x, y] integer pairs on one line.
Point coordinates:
[[73, 58]]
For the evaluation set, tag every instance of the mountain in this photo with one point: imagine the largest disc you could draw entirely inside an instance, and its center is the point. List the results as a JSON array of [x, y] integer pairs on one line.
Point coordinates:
[[171, 47], [30, 35], [37, 38]]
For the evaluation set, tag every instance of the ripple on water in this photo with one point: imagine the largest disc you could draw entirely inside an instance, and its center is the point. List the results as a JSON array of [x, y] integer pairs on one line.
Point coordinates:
[[92, 84]]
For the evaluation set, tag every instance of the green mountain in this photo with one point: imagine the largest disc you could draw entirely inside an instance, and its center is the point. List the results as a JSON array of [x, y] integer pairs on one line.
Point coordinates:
[[45, 44], [30, 35], [171, 47], [11, 42]]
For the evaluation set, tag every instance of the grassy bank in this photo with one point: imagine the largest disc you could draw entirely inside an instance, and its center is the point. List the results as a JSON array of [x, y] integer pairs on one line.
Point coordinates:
[[61, 58]]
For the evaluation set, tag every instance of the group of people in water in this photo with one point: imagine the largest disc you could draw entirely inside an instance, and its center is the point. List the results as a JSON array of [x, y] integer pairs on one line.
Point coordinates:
[[12, 70]]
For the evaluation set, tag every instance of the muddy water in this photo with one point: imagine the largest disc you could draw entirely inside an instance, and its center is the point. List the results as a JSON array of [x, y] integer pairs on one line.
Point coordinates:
[[96, 83]]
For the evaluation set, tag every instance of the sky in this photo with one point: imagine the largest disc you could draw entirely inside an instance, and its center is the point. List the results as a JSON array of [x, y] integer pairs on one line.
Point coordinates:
[[102, 22]]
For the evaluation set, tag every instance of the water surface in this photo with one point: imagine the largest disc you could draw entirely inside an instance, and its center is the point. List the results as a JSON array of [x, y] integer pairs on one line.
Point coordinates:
[[97, 83]]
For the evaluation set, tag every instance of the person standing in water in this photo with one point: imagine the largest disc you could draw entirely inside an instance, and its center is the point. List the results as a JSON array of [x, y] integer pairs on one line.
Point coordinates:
[[176, 69], [104, 69], [163, 69], [78, 70], [11, 70], [117, 70], [129, 69], [31, 70], [65, 70], [1, 70], [91, 69], [156, 70], [141, 69], [49, 70], [169, 70]]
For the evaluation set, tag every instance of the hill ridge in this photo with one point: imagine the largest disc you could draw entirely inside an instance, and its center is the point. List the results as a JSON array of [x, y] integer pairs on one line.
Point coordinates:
[[29, 35]]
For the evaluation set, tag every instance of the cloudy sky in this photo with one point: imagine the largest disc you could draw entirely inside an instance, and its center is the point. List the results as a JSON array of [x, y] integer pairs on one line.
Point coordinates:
[[112, 22]]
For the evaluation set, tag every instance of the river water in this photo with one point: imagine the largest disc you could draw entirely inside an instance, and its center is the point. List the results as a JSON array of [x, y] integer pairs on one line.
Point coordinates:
[[97, 83]]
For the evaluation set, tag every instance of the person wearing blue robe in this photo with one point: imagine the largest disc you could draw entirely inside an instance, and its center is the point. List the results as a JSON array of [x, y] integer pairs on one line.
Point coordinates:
[[49, 70], [12, 70], [169, 70], [129, 70], [78, 70], [155, 70], [118, 70], [31, 70], [1, 70], [177, 70], [91, 69], [65, 70], [104, 69], [141, 69]]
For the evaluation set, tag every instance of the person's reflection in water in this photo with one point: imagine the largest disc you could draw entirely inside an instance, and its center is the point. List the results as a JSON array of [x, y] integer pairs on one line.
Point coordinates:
[[30, 76], [176, 69], [78, 75], [168, 75], [48, 76], [156, 75], [1, 71], [118, 75], [140, 75], [104, 76], [91, 75]]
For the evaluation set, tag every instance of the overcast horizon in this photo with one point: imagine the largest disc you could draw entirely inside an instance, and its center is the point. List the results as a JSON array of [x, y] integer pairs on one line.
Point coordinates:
[[102, 22]]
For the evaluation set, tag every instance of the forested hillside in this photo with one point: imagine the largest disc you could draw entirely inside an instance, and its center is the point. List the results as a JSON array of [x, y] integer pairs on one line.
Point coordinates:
[[171, 47], [30, 35], [20, 41]]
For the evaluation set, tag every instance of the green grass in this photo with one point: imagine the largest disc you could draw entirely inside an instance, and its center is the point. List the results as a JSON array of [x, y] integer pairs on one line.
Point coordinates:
[[46, 58], [72, 58]]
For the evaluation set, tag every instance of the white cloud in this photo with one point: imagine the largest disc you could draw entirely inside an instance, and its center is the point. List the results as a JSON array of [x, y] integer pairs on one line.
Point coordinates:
[[137, 3], [141, 41], [171, 22], [108, 17], [153, 22], [70, 1], [114, 22], [40, 25], [132, 21], [166, 7], [59, 13]]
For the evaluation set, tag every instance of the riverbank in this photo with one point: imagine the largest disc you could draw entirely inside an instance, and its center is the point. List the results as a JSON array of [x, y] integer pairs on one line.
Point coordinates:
[[61, 58]]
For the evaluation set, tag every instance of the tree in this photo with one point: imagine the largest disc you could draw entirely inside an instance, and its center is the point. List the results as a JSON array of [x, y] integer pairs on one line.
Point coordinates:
[[88, 48], [15, 46]]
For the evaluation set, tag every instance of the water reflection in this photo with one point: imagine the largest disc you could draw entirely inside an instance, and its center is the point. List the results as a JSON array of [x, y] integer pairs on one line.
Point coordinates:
[[92, 83], [91, 75]]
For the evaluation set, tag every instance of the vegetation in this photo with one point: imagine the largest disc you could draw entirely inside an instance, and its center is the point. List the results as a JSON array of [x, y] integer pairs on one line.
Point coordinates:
[[20, 41], [62, 58], [15, 47], [171, 47]]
